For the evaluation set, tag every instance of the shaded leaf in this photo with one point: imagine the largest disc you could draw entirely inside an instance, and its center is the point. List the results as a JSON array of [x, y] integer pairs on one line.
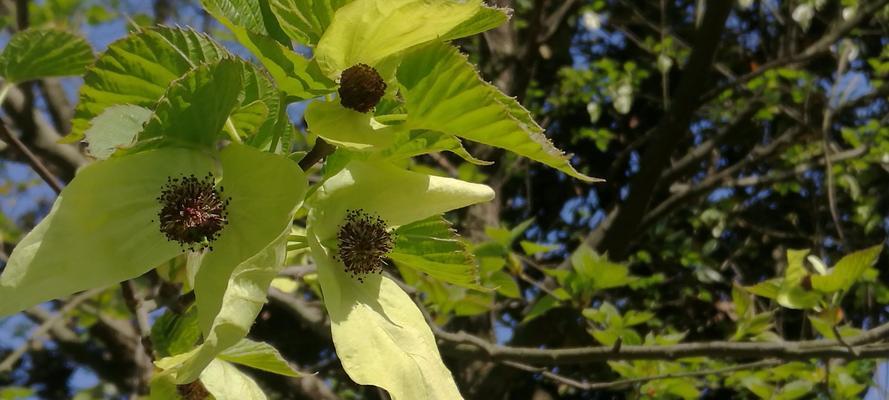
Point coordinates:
[[42, 53]]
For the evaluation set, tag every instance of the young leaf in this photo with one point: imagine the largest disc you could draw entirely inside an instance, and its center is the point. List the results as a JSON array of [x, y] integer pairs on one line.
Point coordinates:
[[253, 15], [433, 247], [174, 334], [196, 106], [298, 77], [115, 128], [259, 355], [138, 69], [466, 106], [847, 271], [407, 144], [43, 53], [539, 308], [305, 20]]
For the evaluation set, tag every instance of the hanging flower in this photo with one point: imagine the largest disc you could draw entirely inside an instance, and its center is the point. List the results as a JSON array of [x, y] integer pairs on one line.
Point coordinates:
[[123, 216], [380, 335]]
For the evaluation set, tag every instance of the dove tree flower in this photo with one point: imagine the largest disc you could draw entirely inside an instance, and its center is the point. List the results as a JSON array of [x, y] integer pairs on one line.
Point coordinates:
[[380, 335], [168, 183], [173, 192]]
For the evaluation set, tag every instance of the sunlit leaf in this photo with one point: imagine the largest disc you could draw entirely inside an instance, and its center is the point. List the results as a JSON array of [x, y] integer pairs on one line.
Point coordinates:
[[138, 69], [259, 355], [464, 105]]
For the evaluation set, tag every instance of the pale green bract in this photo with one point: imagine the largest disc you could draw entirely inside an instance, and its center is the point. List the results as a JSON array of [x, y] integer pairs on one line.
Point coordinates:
[[368, 31], [102, 229], [380, 335]]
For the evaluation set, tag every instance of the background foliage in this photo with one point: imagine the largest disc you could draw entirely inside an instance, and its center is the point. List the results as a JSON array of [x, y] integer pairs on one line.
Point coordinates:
[[728, 134]]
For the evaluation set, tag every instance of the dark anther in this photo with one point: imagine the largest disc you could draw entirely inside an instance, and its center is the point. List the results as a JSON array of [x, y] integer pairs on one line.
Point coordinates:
[[361, 88], [364, 242], [193, 211]]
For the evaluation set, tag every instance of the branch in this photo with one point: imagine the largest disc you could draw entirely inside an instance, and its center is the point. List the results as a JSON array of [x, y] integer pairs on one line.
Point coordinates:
[[319, 151], [33, 161], [41, 137], [809, 53], [623, 383], [670, 130], [475, 347], [46, 326]]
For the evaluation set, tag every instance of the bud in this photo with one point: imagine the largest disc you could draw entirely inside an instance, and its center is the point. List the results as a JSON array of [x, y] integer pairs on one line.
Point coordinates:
[[193, 211], [364, 241], [361, 88]]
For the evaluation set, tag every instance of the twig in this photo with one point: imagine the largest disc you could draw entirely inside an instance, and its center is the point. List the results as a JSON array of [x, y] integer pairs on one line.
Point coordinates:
[[45, 327], [33, 161], [322, 149], [476, 347], [619, 384]]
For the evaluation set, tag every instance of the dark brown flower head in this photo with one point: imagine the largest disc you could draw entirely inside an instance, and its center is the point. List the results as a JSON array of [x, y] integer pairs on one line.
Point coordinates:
[[364, 242], [193, 211], [361, 88], [193, 391]]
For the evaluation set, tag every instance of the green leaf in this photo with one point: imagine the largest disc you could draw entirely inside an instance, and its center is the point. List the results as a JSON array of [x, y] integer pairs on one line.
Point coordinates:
[[768, 289], [795, 390], [485, 19], [16, 393], [531, 248], [106, 215], [637, 317], [741, 300], [368, 31], [493, 118], [296, 76], [305, 20], [847, 271], [138, 69], [196, 106], [259, 355], [603, 274], [43, 53], [114, 129], [792, 293], [407, 144], [505, 284], [252, 15], [248, 118], [174, 334], [258, 88], [539, 308], [225, 382], [232, 282], [433, 247]]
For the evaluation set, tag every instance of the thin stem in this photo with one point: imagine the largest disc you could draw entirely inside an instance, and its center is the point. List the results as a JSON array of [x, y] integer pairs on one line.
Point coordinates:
[[32, 159]]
